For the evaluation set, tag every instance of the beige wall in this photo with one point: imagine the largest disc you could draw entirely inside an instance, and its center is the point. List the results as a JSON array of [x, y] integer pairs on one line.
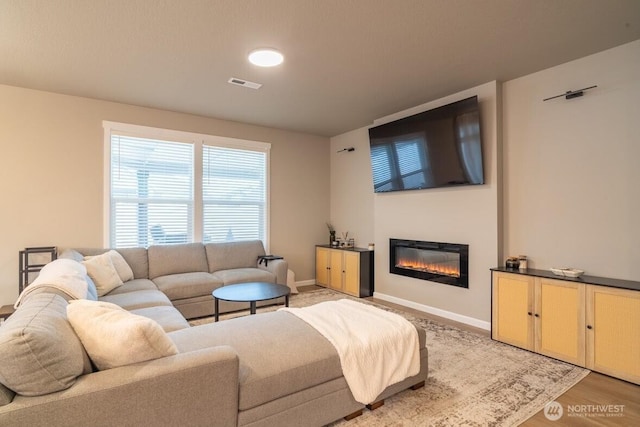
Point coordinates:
[[572, 167], [51, 176], [567, 194], [352, 187], [467, 215]]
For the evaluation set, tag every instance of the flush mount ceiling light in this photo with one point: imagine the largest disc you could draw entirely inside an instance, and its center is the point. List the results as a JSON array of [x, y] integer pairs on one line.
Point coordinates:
[[266, 57]]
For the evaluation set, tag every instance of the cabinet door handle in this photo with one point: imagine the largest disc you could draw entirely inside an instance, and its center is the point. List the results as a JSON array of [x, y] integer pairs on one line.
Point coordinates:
[[537, 315], [589, 327], [529, 313]]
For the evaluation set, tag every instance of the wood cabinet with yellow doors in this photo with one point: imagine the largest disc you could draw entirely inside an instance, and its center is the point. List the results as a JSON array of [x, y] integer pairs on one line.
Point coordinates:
[[539, 314], [512, 310], [613, 332], [345, 270], [591, 325]]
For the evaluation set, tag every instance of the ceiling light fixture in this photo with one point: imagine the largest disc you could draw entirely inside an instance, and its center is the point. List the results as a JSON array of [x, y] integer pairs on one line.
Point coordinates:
[[266, 57]]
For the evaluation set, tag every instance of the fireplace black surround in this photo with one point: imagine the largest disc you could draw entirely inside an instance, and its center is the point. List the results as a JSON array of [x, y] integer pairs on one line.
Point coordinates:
[[446, 263]]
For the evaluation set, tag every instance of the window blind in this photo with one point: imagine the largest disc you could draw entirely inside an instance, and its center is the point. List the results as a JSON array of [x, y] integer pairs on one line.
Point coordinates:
[[233, 194], [151, 192]]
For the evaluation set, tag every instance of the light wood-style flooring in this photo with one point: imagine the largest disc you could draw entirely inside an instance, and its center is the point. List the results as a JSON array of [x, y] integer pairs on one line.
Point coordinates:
[[594, 389]]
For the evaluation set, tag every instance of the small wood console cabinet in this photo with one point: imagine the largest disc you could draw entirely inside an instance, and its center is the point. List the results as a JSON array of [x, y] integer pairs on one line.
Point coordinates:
[[348, 270], [593, 322]]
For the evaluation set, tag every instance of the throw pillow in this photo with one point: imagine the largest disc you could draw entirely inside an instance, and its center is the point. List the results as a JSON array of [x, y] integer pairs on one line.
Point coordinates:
[[92, 291], [100, 268], [115, 337], [122, 267], [119, 263], [65, 276]]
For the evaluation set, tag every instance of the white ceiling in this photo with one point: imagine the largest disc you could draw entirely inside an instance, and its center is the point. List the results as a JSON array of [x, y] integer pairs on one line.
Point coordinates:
[[347, 62]]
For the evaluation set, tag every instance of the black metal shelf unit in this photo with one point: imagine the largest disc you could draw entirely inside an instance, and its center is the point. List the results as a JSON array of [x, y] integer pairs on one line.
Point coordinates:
[[31, 261]]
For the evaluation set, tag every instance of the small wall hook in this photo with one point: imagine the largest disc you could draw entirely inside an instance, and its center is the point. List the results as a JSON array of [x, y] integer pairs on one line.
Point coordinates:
[[349, 149]]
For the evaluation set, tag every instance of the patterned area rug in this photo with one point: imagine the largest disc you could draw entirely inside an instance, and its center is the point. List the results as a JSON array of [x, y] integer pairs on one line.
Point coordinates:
[[473, 381]]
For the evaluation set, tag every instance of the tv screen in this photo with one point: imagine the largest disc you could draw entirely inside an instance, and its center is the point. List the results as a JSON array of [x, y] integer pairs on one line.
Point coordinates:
[[437, 148]]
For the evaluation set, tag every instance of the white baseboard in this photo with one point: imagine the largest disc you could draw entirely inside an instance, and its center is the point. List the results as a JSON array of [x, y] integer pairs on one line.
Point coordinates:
[[435, 311], [306, 282]]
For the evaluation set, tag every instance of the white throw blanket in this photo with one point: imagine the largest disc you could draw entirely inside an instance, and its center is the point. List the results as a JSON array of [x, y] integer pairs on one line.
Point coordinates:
[[376, 348], [65, 275]]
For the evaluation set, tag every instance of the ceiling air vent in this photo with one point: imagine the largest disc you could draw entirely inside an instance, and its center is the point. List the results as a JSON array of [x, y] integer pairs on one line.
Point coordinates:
[[244, 83]]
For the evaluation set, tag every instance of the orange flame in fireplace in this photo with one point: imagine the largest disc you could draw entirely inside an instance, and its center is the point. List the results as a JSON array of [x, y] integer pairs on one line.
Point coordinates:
[[445, 270]]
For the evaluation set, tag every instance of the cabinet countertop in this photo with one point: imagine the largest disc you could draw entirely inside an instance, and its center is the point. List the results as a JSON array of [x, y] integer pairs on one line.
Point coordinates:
[[344, 249], [588, 280]]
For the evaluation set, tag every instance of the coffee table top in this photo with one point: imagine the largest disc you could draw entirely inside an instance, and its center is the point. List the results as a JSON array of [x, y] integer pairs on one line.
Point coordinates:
[[253, 291]]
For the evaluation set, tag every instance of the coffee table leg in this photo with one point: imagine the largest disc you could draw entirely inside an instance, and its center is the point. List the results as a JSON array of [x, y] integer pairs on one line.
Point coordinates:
[[286, 300], [253, 307], [216, 308]]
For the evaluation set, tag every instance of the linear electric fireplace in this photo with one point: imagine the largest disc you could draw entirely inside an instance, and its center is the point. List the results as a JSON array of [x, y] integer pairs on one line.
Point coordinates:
[[446, 263]]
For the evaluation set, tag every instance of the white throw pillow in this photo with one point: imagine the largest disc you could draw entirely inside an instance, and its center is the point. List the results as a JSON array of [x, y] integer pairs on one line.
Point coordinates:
[[100, 268], [122, 267], [114, 337]]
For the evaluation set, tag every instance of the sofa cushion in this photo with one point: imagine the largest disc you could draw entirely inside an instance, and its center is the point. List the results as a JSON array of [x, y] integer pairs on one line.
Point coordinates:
[[187, 285], [138, 261], [134, 285], [103, 273], [303, 359], [225, 256], [169, 318], [115, 337], [41, 353], [174, 259], [138, 299], [244, 275]]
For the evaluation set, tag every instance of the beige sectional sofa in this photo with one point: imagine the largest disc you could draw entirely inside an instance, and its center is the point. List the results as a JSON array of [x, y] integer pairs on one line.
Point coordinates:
[[187, 274], [263, 370]]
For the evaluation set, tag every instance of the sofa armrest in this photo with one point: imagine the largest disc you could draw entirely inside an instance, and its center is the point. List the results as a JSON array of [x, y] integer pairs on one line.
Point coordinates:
[[194, 388], [279, 267]]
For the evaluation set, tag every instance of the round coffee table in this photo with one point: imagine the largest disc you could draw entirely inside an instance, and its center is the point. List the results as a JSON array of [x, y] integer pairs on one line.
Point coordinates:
[[251, 292]]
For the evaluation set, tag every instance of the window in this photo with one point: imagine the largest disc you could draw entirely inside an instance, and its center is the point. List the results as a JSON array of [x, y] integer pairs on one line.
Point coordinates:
[[151, 192], [233, 194], [169, 187]]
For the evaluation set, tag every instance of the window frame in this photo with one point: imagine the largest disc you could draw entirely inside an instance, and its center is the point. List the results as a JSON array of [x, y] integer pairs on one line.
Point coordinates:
[[198, 140]]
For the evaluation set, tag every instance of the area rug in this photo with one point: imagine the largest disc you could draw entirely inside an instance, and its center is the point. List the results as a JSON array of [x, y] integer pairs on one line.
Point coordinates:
[[473, 380]]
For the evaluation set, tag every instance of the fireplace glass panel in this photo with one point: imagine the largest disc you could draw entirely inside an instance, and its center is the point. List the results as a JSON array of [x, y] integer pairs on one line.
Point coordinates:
[[427, 261]]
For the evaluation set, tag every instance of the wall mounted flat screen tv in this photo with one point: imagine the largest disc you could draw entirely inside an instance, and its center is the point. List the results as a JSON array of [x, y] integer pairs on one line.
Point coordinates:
[[437, 148]]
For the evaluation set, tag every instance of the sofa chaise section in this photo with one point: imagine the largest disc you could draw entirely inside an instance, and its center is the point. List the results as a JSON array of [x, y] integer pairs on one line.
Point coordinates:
[[290, 375]]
